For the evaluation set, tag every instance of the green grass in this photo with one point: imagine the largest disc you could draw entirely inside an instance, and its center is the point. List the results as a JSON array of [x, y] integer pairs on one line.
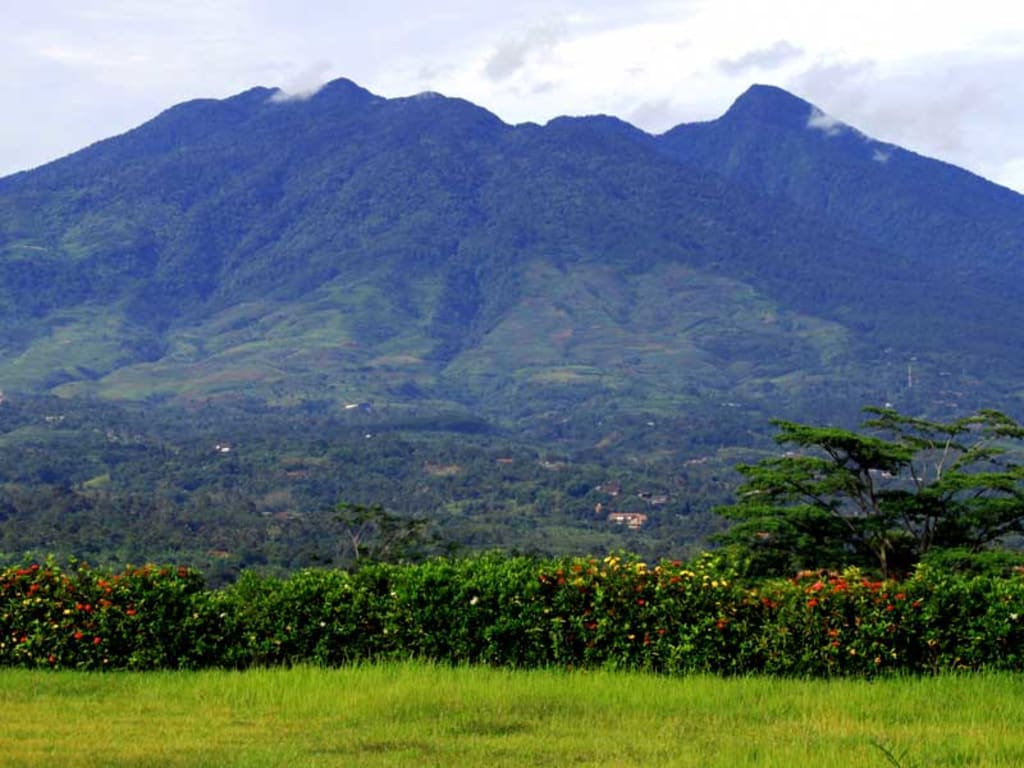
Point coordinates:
[[402, 715]]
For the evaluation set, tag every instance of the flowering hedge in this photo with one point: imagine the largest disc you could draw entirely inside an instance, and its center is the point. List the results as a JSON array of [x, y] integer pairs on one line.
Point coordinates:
[[141, 618], [513, 611]]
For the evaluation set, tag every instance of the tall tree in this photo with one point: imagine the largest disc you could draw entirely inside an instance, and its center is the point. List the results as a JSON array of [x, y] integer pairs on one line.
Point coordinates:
[[882, 498], [373, 534]]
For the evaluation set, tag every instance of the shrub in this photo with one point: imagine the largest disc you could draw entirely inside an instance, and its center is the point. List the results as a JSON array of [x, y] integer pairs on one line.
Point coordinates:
[[615, 612]]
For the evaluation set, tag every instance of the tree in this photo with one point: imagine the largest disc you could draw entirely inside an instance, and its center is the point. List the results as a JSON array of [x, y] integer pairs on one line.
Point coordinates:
[[883, 499], [372, 534]]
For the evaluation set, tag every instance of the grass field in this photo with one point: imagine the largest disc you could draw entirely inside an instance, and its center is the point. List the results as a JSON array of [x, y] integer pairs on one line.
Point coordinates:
[[418, 715]]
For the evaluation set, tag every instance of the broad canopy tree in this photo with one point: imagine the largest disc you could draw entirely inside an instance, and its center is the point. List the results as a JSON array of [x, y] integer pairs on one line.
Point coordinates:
[[373, 534], [883, 498]]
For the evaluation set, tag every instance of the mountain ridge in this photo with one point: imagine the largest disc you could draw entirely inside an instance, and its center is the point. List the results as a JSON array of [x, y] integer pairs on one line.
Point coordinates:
[[420, 251]]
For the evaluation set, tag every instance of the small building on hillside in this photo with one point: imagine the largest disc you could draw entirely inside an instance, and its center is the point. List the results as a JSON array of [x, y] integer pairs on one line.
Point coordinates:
[[632, 520]]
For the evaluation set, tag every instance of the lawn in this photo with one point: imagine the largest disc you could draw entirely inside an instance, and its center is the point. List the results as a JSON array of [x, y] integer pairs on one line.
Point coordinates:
[[421, 715]]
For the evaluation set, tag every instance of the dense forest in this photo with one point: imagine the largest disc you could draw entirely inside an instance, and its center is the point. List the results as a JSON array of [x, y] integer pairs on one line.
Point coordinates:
[[227, 488]]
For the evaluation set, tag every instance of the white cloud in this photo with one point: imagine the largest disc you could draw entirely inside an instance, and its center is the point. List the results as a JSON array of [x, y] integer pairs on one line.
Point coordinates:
[[512, 55], [964, 108], [781, 52], [829, 125], [304, 84]]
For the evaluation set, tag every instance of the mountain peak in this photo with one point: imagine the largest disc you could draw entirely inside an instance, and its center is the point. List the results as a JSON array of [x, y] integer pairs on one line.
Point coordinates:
[[770, 104], [340, 92], [343, 88]]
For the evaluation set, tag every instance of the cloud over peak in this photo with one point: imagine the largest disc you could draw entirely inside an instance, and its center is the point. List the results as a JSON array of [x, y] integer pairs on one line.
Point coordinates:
[[829, 125], [772, 57]]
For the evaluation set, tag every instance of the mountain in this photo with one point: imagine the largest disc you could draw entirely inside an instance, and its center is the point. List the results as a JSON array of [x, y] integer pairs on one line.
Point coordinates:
[[420, 254]]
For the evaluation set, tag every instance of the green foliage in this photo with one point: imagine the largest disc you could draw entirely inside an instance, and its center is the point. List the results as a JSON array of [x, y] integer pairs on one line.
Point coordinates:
[[843, 498], [115, 484], [987, 562], [616, 612], [371, 533], [139, 618]]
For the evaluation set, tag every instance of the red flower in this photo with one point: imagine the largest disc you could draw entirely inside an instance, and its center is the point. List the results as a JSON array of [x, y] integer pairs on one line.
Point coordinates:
[[890, 607], [130, 611], [812, 603], [78, 635], [97, 640], [640, 601]]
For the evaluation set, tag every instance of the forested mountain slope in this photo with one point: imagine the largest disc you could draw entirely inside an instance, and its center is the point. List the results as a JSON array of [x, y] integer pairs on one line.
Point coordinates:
[[420, 253]]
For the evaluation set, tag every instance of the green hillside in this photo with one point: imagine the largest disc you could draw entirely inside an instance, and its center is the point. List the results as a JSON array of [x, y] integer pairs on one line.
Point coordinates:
[[420, 252], [593, 301]]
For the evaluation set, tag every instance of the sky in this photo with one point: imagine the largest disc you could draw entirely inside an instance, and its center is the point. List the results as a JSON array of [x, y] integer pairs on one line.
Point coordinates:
[[944, 79]]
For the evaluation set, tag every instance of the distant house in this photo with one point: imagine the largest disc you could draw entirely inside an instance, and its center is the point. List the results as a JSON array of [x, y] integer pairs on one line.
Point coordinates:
[[654, 499], [555, 466], [441, 470], [361, 407], [632, 520]]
